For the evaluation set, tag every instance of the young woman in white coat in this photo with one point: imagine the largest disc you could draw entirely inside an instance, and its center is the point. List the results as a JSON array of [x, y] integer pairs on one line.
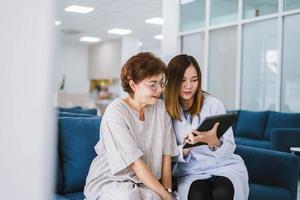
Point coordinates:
[[209, 171]]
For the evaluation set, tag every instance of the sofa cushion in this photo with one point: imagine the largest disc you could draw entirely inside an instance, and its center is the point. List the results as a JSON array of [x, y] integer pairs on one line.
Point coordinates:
[[75, 196], [263, 144], [251, 124], [77, 138], [91, 111], [71, 109], [69, 114], [281, 120], [60, 197], [79, 110], [59, 183], [266, 192]]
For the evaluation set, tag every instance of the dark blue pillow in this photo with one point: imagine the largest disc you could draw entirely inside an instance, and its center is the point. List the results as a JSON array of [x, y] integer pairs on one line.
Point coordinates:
[[77, 138], [91, 111], [251, 124], [69, 114], [59, 176], [71, 109], [282, 120], [79, 110]]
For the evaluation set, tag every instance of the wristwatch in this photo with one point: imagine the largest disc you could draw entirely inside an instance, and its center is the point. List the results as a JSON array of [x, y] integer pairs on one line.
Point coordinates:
[[215, 147], [169, 190]]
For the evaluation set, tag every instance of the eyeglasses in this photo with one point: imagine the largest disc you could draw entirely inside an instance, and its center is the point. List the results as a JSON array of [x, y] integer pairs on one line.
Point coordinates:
[[154, 85]]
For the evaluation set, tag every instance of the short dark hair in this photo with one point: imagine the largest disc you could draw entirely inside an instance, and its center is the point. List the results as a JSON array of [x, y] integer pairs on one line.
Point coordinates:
[[138, 67]]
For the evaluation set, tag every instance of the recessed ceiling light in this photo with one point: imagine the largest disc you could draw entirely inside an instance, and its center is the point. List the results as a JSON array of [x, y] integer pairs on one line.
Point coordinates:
[[186, 1], [140, 44], [158, 37], [89, 39], [155, 20], [57, 23], [119, 31], [79, 9]]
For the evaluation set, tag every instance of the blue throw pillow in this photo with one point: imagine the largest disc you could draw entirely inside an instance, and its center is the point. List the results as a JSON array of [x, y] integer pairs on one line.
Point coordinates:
[[251, 124], [71, 109], [59, 182], [91, 111], [77, 138], [79, 110], [69, 114], [282, 120]]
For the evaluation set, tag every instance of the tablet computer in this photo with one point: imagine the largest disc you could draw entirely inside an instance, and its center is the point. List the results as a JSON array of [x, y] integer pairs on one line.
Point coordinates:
[[225, 121]]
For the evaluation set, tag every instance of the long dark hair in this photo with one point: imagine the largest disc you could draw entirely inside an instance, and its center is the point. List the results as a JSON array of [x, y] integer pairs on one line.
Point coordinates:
[[175, 73]]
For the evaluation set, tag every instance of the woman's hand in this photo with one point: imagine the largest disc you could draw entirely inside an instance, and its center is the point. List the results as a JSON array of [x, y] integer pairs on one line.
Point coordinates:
[[167, 196], [209, 137], [186, 151]]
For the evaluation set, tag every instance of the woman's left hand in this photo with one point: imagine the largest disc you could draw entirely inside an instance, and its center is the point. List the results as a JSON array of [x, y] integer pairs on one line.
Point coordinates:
[[209, 137]]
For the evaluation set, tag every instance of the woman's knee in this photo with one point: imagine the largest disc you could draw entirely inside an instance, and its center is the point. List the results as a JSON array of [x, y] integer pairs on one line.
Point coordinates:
[[200, 189], [223, 189]]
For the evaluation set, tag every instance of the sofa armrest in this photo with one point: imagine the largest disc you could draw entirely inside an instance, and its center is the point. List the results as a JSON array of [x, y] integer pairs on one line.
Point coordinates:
[[284, 138], [271, 168]]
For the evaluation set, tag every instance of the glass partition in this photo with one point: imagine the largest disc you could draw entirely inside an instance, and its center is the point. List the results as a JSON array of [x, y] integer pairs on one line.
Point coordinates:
[[259, 66], [192, 14]]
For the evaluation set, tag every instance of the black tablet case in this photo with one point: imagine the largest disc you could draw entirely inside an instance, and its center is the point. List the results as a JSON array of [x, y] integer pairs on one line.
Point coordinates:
[[225, 121]]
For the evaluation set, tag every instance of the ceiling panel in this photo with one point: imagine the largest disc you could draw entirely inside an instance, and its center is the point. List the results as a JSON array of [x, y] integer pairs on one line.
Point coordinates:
[[110, 14]]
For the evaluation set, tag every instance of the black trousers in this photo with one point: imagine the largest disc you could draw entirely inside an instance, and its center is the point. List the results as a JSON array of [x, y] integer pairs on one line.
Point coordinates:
[[215, 188]]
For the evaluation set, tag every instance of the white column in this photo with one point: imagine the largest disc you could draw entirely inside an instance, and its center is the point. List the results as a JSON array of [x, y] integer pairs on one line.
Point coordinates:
[[130, 47], [105, 60], [170, 45], [27, 122]]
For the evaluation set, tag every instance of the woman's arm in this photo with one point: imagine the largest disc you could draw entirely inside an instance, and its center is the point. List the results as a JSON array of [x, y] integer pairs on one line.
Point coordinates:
[[166, 179], [145, 175]]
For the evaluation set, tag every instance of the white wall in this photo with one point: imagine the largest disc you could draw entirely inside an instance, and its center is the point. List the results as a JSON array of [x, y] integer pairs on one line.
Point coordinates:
[[73, 63], [155, 51], [105, 60], [26, 132]]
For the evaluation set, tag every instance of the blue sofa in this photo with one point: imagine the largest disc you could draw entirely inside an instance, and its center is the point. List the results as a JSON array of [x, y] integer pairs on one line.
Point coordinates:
[[268, 130], [77, 110], [273, 175]]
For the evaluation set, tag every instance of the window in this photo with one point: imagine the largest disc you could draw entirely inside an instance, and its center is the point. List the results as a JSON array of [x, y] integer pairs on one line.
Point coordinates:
[[291, 4], [223, 11], [291, 65], [259, 66], [256, 8], [192, 14], [222, 65]]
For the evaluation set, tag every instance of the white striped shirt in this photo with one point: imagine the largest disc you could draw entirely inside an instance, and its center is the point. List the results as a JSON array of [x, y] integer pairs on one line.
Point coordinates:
[[124, 139]]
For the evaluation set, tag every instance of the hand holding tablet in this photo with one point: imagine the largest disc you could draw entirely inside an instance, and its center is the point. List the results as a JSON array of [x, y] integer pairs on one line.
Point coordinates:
[[224, 120]]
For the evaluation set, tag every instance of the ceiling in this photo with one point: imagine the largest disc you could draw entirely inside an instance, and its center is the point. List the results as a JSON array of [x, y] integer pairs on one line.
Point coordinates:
[[128, 14]]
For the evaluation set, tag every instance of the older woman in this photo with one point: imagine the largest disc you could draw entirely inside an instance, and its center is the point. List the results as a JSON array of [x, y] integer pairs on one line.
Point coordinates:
[[136, 143]]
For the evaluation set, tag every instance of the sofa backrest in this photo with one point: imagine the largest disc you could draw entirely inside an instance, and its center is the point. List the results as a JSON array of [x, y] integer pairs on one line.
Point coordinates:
[[76, 115], [77, 137], [251, 124], [79, 110], [281, 120]]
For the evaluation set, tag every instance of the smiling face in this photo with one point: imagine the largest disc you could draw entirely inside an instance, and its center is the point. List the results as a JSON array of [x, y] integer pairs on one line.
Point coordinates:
[[148, 91], [189, 84]]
